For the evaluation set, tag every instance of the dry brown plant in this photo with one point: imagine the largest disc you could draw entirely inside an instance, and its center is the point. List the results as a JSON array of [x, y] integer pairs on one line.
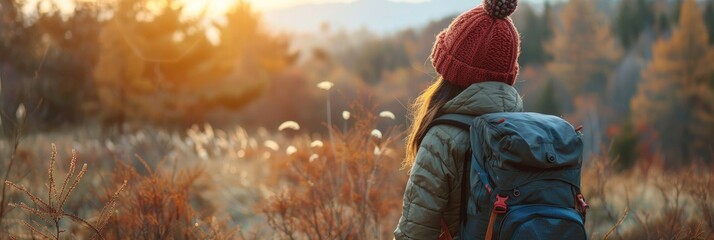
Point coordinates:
[[50, 211], [353, 193], [159, 206]]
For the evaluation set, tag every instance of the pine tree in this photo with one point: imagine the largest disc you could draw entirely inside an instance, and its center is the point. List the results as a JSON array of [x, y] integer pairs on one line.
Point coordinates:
[[547, 102], [709, 19], [632, 18], [547, 20], [532, 37], [676, 97], [584, 52]]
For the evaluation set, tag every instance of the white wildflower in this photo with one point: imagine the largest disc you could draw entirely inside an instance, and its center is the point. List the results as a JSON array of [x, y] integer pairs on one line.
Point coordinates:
[[20, 113], [316, 143], [346, 115], [387, 114], [272, 145], [202, 153], [289, 124], [313, 157], [208, 132], [325, 85], [377, 151], [109, 145], [376, 133], [290, 150]]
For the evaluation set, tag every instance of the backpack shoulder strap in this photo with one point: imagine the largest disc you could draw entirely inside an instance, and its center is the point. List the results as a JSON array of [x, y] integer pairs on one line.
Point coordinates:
[[457, 120], [463, 122]]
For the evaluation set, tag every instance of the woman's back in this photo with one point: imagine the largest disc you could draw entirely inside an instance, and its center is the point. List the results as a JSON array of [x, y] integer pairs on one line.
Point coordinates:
[[434, 187]]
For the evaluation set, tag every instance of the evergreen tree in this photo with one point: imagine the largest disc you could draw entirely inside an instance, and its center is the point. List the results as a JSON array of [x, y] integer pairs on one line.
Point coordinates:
[[547, 21], [624, 146], [547, 102], [676, 98], [709, 19], [47, 60], [532, 37], [632, 18]]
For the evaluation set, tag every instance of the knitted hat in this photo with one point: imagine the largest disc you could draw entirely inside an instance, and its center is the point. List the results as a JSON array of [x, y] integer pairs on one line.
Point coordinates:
[[480, 45]]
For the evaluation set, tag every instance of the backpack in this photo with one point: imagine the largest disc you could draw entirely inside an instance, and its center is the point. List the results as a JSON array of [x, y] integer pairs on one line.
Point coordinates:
[[521, 178]]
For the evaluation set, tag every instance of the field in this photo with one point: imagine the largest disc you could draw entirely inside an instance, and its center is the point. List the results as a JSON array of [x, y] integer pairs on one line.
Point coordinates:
[[206, 183]]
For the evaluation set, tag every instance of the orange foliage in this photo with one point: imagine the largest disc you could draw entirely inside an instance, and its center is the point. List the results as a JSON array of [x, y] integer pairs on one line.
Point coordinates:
[[676, 94], [159, 206], [584, 52]]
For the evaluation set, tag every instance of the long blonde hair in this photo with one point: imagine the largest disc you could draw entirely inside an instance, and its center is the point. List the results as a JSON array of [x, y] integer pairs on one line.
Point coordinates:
[[424, 110]]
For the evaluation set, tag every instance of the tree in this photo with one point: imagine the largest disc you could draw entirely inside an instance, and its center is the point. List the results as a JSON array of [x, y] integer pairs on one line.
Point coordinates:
[[547, 102], [709, 20], [65, 80], [632, 18], [676, 96], [46, 61], [625, 146], [156, 66], [533, 33], [547, 20], [583, 50]]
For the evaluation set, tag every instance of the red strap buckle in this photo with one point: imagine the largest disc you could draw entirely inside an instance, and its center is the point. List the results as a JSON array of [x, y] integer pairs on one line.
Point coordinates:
[[583, 205], [500, 205]]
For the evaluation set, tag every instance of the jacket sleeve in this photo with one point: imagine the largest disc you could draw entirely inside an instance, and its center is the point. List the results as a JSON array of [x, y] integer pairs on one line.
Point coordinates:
[[427, 192]]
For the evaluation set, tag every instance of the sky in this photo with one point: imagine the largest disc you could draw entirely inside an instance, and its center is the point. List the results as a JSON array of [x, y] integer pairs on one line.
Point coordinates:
[[218, 6], [275, 12], [264, 5]]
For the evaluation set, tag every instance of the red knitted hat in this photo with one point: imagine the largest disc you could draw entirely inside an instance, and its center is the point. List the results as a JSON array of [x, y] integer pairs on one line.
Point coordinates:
[[480, 45]]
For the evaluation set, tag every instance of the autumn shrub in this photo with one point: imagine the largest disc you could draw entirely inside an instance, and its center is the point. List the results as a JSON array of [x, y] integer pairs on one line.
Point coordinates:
[[46, 216], [348, 187], [162, 205]]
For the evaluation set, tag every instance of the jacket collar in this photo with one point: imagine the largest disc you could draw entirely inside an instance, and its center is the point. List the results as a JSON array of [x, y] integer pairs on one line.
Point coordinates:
[[485, 97]]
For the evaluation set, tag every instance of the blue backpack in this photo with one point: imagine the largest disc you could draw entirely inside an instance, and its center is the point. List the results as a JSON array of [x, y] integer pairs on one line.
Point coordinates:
[[522, 179]]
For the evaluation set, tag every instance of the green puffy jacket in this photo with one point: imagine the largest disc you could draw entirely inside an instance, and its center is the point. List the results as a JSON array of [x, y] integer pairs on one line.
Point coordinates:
[[434, 187]]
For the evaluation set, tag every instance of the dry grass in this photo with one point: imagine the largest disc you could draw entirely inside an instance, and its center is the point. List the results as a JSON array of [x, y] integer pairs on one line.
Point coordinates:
[[351, 190], [208, 183], [649, 202]]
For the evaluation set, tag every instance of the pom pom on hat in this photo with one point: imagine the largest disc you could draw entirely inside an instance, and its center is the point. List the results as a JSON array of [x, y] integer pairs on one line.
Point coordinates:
[[500, 8]]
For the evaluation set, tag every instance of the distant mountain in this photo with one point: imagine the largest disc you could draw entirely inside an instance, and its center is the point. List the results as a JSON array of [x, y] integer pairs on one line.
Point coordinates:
[[380, 16]]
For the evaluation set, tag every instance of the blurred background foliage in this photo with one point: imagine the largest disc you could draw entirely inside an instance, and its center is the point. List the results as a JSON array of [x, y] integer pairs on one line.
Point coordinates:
[[643, 68], [632, 69]]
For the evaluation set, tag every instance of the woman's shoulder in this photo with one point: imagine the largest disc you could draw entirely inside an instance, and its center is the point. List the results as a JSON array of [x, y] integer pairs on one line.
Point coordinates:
[[445, 135]]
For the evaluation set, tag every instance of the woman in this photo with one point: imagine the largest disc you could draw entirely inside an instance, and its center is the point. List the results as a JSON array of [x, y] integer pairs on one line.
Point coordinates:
[[476, 57]]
